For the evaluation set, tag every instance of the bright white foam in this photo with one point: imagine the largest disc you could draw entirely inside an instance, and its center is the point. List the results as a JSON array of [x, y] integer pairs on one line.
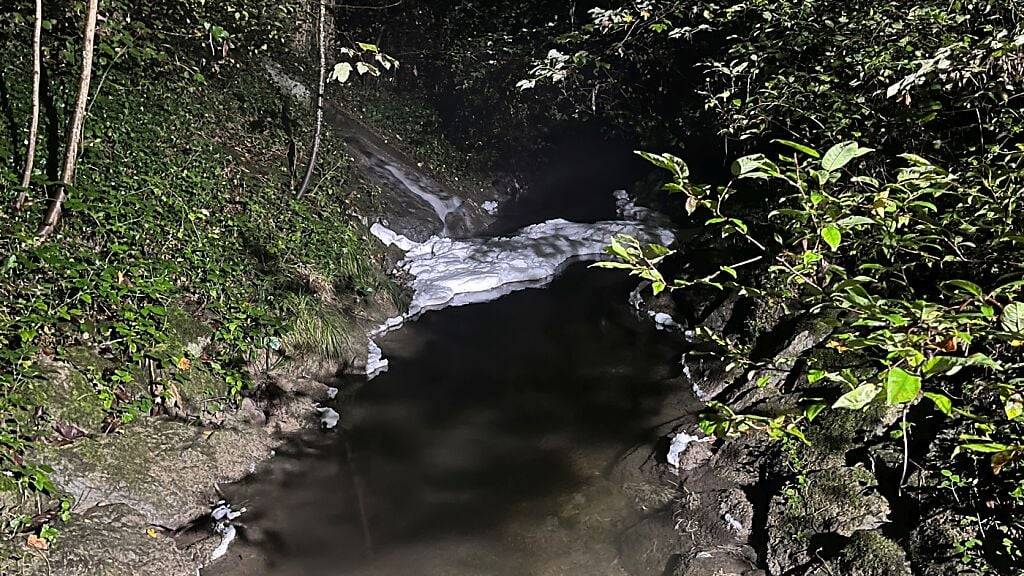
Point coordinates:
[[441, 206], [451, 272]]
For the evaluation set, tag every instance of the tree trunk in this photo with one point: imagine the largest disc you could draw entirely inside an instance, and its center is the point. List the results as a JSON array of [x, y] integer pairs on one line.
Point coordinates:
[[33, 127], [318, 128], [75, 130]]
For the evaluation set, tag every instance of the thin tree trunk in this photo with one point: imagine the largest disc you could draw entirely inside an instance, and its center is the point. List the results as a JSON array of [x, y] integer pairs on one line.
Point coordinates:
[[317, 130], [33, 128], [75, 130]]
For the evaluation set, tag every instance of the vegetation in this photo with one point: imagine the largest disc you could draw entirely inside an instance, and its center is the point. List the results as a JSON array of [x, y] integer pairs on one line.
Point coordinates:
[[910, 253], [180, 224], [876, 190]]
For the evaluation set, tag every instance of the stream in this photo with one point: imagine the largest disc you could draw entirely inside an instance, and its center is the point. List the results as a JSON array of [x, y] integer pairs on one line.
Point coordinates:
[[484, 439], [485, 449]]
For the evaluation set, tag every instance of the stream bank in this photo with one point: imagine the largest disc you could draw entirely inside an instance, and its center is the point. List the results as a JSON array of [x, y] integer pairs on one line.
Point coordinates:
[[621, 506]]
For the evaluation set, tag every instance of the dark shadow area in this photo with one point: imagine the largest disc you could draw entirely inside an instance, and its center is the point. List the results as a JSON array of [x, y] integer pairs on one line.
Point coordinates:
[[52, 127], [478, 422], [11, 125], [581, 167]]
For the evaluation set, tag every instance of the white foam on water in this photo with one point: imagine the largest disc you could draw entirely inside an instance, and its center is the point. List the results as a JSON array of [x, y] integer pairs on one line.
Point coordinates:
[[441, 206]]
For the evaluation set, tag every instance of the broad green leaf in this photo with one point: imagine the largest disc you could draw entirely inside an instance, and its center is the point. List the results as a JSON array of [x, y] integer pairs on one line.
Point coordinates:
[[799, 147], [859, 397], [812, 411], [1012, 318], [966, 286], [901, 387], [985, 447], [1014, 407], [851, 221], [841, 154], [832, 236], [364, 68], [669, 162], [342, 72], [691, 205], [368, 47], [754, 166], [915, 159], [942, 402], [613, 265]]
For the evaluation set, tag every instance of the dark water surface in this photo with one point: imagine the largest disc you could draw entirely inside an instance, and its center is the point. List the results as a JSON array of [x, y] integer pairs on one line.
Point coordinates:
[[484, 450]]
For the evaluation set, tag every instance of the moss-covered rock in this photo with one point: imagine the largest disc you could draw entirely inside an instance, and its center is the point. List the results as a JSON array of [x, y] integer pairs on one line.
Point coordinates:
[[103, 541], [868, 553], [164, 470], [185, 333], [840, 501], [69, 393]]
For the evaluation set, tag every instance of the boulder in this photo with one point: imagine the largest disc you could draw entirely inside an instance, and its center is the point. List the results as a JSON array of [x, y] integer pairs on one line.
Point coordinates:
[[111, 540], [867, 554], [840, 501]]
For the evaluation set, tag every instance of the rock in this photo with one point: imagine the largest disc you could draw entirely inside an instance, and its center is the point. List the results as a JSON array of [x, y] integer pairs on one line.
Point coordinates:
[[166, 471], [250, 413], [762, 384], [726, 561], [737, 513], [718, 317], [840, 501], [738, 461], [867, 554], [111, 540], [69, 396], [932, 544], [300, 385], [687, 451]]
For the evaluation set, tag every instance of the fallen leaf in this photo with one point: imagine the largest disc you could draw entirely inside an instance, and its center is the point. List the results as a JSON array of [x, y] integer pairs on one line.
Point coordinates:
[[151, 532], [37, 543], [184, 364], [68, 430]]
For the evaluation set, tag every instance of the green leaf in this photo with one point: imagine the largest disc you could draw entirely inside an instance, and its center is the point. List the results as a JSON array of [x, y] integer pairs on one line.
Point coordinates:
[[987, 447], [364, 68], [669, 162], [915, 159], [798, 147], [851, 221], [755, 166], [901, 387], [342, 72], [942, 402], [613, 265], [832, 236], [691, 205], [1012, 318], [812, 411], [841, 154], [1014, 407], [966, 286], [859, 397]]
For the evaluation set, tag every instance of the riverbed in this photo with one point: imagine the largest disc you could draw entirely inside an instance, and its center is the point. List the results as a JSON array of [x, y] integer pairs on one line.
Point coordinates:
[[485, 449]]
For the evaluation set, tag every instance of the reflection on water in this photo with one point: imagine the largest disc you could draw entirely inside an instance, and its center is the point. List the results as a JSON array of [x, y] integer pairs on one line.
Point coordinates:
[[483, 450]]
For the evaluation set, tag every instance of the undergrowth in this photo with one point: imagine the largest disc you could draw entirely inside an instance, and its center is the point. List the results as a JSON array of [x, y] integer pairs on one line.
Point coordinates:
[[182, 203]]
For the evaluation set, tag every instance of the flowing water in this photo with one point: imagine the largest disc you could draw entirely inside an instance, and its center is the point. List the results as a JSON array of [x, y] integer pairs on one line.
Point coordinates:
[[486, 448]]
